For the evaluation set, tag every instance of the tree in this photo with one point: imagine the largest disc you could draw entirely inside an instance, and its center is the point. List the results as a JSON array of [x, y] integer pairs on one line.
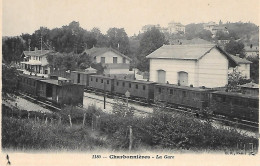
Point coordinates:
[[234, 48], [192, 30], [150, 41], [118, 39], [12, 49], [205, 34], [9, 81], [235, 78]]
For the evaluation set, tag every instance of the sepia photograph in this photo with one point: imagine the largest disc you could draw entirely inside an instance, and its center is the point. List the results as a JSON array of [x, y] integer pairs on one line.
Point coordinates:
[[133, 82]]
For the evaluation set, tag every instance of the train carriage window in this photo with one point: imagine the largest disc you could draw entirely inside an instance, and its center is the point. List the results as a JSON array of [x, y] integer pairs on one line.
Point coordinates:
[[91, 79], [184, 93], [129, 85], [96, 80], [123, 84], [197, 95], [107, 81], [171, 92], [143, 87], [223, 98], [34, 83], [136, 86], [159, 90], [102, 81], [117, 83]]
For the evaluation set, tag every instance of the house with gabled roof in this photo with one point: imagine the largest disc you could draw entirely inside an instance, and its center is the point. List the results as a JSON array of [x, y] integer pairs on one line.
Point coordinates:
[[36, 61], [242, 66], [197, 65], [113, 61]]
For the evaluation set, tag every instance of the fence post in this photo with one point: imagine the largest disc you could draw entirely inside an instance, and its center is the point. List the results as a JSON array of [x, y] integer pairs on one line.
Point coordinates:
[[130, 138], [84, 119], [70, 120], [46, 120], [92, 123], [59, 120], [98, 122]]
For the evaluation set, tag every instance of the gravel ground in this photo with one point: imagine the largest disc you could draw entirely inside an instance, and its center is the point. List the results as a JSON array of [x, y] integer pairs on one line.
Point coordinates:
[[24, 104]]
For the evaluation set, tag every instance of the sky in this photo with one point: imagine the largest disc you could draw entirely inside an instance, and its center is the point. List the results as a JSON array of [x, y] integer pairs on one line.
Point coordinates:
[[26, 16]]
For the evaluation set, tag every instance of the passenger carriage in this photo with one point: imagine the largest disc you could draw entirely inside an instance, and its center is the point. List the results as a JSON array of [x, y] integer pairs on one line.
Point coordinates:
[[189, 97], [236, 105], [101, 83], [142, 90]]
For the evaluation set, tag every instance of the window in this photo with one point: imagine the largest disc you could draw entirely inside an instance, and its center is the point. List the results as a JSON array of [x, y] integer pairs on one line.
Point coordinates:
[[96, 80], [124, 60], [114, 59], [117, 83], [136, 86], [184, 93], [159, 90], [123, 84], [107, 81], [129, 85], [91, 79], [143, 87], [171, 91], [103, 60], [78, 78], [102, 81]]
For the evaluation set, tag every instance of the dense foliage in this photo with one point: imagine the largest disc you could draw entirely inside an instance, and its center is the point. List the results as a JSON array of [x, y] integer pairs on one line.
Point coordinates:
[[149, 42], [160, 130], [9, 81]]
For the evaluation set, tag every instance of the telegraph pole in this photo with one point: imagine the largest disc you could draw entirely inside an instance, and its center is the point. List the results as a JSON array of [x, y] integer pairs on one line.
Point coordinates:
[[104, 94]]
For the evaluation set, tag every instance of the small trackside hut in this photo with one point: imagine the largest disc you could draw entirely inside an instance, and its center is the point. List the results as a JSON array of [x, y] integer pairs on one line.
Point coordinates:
[[61, 91]]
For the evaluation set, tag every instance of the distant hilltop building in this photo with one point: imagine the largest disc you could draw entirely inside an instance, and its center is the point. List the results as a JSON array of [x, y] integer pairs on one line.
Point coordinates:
[[251, 51], [214, 28], [149, 27], [173, 28]]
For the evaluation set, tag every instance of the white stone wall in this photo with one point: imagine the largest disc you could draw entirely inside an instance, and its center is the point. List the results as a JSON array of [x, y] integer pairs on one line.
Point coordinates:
[[213, 70], [172, 67], [210, 71]]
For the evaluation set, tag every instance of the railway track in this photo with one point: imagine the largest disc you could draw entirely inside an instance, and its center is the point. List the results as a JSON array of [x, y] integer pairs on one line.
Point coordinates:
[[241, 123]]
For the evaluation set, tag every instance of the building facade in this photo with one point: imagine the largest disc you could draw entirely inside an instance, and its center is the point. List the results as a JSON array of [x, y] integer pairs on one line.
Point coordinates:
[[242, 66], [113, 61], [196, 65], [252, 51], [174, 27], [36, 61]]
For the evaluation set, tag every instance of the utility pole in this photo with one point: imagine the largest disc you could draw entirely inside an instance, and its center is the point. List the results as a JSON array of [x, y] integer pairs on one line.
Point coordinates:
[[104, 94], [41, 44]]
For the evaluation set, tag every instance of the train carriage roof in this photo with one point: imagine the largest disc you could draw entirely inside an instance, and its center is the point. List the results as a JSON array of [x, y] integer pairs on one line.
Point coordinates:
[[183, 87], [236, 94], [101, 76], [136, 81]]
